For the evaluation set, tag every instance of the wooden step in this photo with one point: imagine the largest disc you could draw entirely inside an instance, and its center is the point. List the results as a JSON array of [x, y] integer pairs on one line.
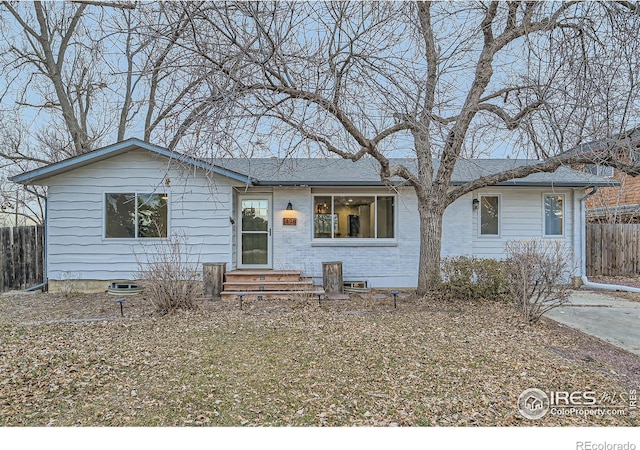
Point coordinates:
[[262, 275], [267, 285], [270, 295]]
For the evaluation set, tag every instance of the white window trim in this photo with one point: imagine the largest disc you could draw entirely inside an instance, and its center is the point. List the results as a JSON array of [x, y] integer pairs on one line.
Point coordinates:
[[135, 238], [479, 216], [564, 216], [355, 242]]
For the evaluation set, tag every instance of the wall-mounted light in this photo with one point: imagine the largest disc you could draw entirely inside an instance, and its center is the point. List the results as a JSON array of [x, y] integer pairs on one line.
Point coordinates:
[[289, 215], [476, 203]]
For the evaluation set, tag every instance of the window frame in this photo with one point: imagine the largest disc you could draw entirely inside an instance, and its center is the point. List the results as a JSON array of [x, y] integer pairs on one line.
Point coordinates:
[[353, 241], [599, 170], [544, 215], [136, 219], [479, 216]]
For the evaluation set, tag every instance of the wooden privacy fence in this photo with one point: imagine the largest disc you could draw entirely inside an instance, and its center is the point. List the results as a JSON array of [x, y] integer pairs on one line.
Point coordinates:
[[613, 249], [21, 257]]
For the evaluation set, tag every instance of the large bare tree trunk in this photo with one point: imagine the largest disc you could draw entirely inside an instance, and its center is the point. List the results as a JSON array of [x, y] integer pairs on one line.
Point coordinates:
[[430, 244]]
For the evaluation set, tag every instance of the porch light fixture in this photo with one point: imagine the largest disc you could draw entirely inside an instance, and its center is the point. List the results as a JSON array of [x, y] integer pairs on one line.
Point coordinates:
[[289, 216], [475, 202]]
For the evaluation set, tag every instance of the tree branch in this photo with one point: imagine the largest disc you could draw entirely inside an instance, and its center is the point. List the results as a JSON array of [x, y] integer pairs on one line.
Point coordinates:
[[510, 122]]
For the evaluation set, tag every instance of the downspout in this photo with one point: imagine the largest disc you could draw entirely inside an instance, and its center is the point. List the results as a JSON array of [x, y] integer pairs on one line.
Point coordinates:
[[45, 256], [583, 264]]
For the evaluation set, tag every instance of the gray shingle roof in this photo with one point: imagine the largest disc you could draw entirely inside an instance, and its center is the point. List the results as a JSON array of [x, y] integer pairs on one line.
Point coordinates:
[[318, 171], [365, 172]]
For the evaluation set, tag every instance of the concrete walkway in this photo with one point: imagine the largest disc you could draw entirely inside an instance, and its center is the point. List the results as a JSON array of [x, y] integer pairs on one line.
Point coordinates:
[[601, 314]]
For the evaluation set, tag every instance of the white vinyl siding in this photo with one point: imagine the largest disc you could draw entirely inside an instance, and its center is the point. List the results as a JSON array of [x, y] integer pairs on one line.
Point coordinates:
[[522, 217], [199, 207]]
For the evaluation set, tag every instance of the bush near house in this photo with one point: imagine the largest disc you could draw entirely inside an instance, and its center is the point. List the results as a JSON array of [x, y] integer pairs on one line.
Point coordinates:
[[471, 278], [170, 274], [538, 273]]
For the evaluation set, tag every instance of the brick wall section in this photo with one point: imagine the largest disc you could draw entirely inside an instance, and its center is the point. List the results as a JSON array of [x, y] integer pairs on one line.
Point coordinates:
[[627, 194]]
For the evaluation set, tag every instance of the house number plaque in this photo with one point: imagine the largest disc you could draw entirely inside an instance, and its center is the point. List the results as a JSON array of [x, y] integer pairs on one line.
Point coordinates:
[[289, 221]]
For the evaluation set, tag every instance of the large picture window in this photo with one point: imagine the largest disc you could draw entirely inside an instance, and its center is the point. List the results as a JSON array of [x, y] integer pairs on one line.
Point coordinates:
[[553, 214], [136, 216], [353, 216]]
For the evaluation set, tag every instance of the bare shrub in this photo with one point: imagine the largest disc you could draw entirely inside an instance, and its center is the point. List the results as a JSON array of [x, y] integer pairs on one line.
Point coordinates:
[[171, 274], [539, 274], [471, 278], [68, 286]]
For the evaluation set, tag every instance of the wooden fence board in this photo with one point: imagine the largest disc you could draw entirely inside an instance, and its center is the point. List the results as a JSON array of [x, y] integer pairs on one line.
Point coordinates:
[[613, 249], [21, 257]]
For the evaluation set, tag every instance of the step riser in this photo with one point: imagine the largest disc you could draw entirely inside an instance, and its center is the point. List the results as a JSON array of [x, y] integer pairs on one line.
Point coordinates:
[[269, 296], [232, 278], [294, 286]]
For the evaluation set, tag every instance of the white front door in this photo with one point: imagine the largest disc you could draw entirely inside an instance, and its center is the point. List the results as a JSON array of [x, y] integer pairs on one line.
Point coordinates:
[[254, 241]]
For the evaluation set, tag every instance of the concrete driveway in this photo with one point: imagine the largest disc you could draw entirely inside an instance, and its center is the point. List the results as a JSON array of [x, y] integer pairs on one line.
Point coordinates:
[[604, 316]]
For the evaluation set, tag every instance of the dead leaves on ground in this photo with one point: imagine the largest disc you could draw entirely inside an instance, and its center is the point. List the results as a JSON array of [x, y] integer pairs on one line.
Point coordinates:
[[290, 363]]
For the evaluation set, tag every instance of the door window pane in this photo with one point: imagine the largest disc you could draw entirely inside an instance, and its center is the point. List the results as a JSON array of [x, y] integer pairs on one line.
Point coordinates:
[[255, 215], [489, 215], [254, 248]]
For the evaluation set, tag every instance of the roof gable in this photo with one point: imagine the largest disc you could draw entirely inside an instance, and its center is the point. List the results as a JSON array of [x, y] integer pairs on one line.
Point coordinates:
[[118, 148]]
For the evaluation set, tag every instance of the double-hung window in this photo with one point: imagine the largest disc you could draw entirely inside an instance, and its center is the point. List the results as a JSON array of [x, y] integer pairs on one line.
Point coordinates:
[[354, 216], [553, 206], [133, 215]]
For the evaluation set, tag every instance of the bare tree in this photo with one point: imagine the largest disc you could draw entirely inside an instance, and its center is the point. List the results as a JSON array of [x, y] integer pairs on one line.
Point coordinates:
[[366, 79], [84, 73]]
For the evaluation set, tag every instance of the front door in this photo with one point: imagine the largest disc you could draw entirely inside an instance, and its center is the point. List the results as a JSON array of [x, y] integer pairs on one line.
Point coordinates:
[[255, 232]]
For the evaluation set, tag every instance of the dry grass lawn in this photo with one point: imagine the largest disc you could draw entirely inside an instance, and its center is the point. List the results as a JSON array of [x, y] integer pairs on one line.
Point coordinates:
[[357, 362]]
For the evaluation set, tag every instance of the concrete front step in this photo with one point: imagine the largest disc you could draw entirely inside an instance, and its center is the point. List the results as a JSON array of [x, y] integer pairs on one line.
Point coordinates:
[[262, 275], [268, 285], [271, 295]]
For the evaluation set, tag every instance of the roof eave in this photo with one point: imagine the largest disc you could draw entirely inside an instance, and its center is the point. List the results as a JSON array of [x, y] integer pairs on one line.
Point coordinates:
[[118, 148], [567, 184], [327, 183]]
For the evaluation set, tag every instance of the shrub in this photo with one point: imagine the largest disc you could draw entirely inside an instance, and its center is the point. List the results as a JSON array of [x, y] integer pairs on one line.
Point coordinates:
[[538, 273], [473, 278], [171, 274]]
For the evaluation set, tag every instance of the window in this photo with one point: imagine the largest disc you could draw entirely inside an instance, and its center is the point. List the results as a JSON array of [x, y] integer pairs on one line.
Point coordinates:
[[489, 215], [596, 169], [136, 215], [353, 216], [553, 205]]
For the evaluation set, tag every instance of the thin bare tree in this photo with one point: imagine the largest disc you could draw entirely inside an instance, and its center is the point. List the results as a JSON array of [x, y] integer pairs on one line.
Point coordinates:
[[82, 74]]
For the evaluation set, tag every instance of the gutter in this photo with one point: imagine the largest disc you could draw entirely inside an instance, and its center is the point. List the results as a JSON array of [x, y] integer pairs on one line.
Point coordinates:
[[583, 268]]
